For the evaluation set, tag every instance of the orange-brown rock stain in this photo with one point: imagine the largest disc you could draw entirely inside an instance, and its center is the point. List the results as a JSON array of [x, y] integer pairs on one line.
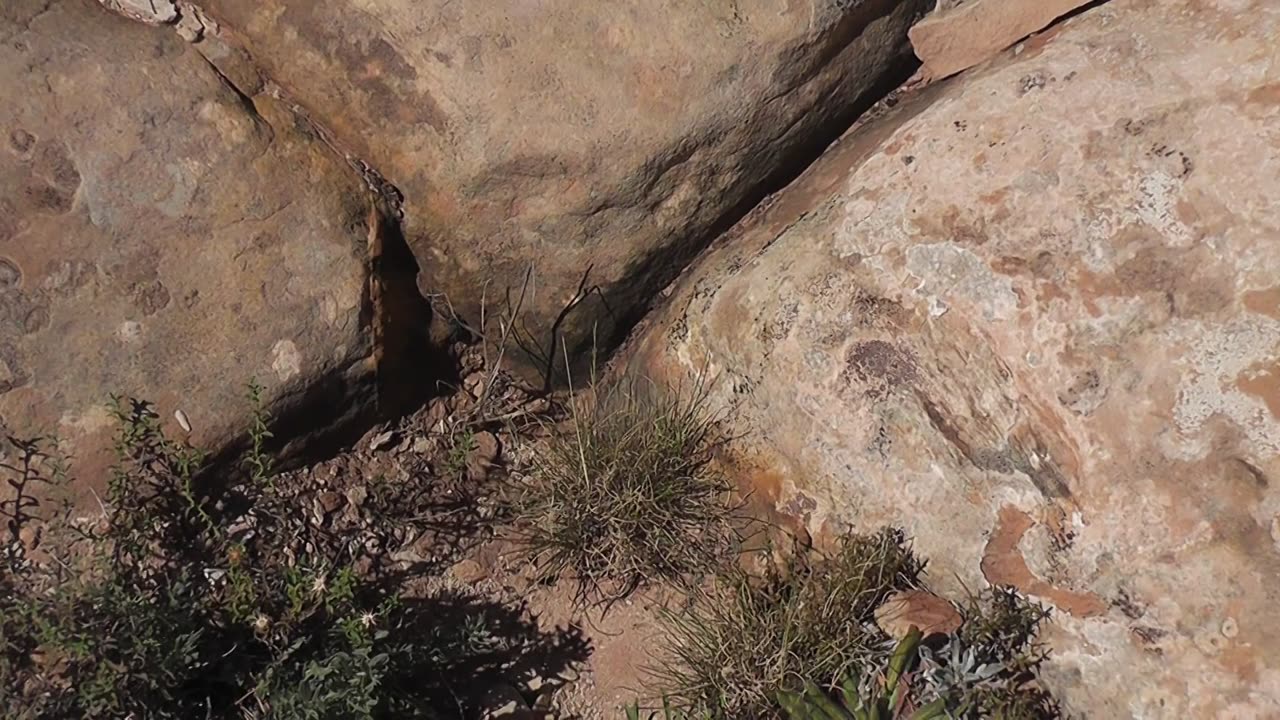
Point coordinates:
[[761, 489], [1262, 380], [1268, 94], [1264, 302], [1004, 564]]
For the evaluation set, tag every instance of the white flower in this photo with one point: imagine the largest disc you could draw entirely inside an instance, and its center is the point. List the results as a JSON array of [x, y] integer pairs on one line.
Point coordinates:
[[367, 619], [318, 586], [261, 622]]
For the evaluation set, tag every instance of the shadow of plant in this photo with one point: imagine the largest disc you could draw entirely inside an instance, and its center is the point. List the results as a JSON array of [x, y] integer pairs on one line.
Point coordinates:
[[501, 644]]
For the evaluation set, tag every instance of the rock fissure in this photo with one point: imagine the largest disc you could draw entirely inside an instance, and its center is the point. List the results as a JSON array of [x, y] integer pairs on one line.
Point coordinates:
[[485, 204]]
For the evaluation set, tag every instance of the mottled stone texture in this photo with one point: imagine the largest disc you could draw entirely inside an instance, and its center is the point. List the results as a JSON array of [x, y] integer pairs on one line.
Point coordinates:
[[957, 36], [1034, 317], [571, 135], [164, 237]]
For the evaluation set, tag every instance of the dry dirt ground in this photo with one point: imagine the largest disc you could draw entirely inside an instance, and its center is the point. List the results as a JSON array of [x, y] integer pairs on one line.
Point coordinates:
[[423, 500]]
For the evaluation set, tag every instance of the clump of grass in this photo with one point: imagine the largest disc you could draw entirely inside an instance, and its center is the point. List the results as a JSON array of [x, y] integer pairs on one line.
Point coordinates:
[[627, 495], [747, 638], [800, 642], [1001, 625]]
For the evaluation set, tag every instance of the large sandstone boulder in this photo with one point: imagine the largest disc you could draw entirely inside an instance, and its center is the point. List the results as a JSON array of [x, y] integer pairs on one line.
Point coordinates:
[[163, 237], [598, 143], [1034, 317]]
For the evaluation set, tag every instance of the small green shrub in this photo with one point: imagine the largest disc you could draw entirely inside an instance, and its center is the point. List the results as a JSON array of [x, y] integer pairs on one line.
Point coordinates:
[[154, 610], [156, 613], [746, 638], [456, 462], [626, 495]]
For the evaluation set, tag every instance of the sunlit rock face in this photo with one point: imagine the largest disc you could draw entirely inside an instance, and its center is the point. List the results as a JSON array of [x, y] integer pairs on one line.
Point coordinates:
[[1033, 316]]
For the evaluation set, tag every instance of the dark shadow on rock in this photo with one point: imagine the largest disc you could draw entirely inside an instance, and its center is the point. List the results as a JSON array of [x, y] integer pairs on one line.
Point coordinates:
[[413, 366], [623, 305], [310, 425], [331, 413]]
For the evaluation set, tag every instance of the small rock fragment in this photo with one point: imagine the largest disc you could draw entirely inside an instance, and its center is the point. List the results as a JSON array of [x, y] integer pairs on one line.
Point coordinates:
[[504, 701], [460, 402], [190, 28], [437, 410], [546, 699], [471, 361], [409, 556], [330, 501], [151, 12], [483, 455], [317, 513], [30, 536], [470, 571], [364, 565], [356, 495], [917, 608], [382, 440]]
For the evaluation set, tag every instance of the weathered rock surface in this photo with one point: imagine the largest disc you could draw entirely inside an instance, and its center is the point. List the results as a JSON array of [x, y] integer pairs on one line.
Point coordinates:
[[570, 136], [1034, 318], [163, 237], [959, 35]]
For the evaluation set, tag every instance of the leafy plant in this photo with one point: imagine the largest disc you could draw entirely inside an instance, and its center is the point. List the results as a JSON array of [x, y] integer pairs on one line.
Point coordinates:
[[955, 669], [626, 494], [456, 462], [256, 459], [989, 668], [121, 628], [875, 698]]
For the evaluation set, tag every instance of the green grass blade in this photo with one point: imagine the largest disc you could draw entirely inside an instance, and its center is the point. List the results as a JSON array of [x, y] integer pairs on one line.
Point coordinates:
[[935, 709], [794, 706], [822, 703], [850, 695], [903, 655]]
